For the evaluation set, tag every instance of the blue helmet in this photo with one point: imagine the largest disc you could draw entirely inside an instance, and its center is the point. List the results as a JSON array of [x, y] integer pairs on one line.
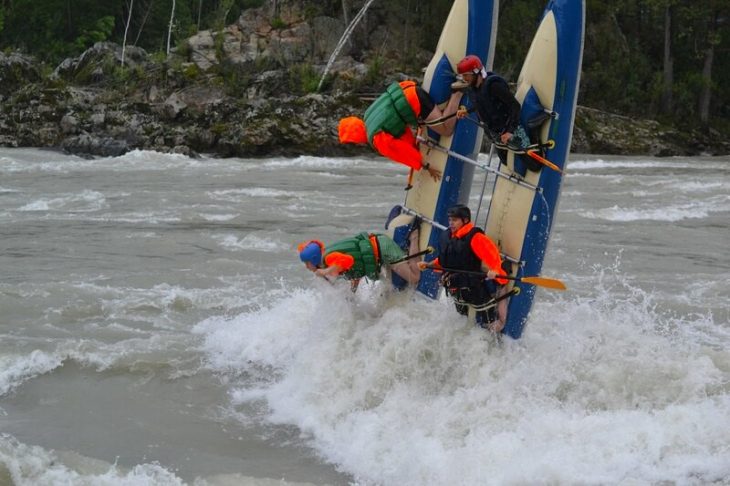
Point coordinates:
[[311, 253]]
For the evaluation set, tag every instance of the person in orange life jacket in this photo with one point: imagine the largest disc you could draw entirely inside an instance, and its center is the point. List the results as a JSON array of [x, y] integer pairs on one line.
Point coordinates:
[[387, 123], [466, 247], [495, 104], [362, 255]]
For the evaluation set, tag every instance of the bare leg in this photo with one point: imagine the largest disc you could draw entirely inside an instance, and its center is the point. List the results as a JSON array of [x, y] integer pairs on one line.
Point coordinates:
[[498, 325], [409, 270], [413, 248]]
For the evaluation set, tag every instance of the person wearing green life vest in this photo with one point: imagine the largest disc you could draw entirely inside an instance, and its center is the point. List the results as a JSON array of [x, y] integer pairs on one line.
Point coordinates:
[[389, 119], [360, 256]]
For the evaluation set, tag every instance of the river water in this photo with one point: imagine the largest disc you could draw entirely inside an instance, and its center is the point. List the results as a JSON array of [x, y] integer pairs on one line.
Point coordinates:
[[156, 327]]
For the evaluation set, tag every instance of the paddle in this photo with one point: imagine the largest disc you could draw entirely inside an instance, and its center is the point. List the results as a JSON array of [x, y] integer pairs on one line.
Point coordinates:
[[550, 283], [409, 184], [427, 251], [543, 161]]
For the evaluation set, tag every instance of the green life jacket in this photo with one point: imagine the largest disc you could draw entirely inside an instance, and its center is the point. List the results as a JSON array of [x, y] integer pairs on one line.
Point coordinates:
[[390, 113], [361, 250]]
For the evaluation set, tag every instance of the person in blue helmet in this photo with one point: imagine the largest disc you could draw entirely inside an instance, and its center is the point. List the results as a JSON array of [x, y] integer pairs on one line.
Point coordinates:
[[362, 255]]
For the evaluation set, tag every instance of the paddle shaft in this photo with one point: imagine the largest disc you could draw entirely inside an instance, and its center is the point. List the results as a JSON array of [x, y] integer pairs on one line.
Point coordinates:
[[420, 253], [551, 283]]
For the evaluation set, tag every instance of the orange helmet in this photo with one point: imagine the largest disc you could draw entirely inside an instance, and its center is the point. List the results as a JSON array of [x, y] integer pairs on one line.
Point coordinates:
[[470, 64], [352, 130]]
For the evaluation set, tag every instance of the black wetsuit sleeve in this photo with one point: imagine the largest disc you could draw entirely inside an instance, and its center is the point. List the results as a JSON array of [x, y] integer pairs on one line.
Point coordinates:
[[426, 102], [501, 91]]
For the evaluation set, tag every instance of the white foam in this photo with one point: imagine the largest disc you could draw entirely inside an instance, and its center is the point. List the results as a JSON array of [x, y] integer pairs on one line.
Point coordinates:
[[16, 369], [30, 465], [674, 212], [239, 195], [219, 217], [697, 186], [250, 242], [28, 161], [628, 164], [308, 162], [85, 201], [150, 217], [600, 388]]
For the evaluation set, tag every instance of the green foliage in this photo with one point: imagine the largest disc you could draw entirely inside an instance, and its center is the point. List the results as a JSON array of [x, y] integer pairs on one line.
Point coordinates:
[[622, 65], [159, 57], [511, 49], [278, 24], [100, 31], [373, 76], [219, 128], [184, 50], [224, 9], [234, 78], [218, 41], [303, 78], [191, 71], [265, 63], [244, 4]]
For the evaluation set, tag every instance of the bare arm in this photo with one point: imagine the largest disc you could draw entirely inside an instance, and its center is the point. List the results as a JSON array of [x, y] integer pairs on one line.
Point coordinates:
[[329, 273]]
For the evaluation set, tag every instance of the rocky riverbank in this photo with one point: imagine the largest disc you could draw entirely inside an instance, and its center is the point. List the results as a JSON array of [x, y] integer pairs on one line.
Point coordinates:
[[248, 91]]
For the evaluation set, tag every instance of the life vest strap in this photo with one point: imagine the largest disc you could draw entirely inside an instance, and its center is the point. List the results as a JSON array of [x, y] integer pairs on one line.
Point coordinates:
[[490, 303], [376, 248]]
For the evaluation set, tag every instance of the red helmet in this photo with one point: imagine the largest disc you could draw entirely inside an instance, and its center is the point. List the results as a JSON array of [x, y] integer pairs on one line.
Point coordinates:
[[470, 64]]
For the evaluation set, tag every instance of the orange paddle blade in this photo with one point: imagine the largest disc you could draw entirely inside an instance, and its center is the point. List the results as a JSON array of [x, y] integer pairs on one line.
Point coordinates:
[[544, 161], [551, 283]]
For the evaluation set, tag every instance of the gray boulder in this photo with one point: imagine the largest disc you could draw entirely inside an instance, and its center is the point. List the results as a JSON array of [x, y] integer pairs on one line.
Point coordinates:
[[17, 70], [99, 62]]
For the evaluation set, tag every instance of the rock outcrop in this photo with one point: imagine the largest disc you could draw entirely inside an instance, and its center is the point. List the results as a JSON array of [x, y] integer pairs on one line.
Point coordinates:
[[244, 91]]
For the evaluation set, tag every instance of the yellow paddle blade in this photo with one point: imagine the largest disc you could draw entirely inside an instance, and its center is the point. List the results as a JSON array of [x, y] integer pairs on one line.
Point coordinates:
[[551, 283]]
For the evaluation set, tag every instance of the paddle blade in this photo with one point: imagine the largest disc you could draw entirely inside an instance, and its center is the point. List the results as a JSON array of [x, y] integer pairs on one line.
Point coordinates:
[[544, 161], [551, 283]]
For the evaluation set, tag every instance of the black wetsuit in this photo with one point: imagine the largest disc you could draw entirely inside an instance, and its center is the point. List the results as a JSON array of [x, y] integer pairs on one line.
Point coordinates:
[[466, 289]]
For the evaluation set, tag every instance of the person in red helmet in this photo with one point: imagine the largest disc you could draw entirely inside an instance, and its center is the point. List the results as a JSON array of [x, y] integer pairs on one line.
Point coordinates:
[[465, 247], [387, 123], [495, 104]]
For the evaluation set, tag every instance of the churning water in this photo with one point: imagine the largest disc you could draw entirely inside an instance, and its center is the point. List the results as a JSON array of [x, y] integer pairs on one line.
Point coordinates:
[[157, 328]]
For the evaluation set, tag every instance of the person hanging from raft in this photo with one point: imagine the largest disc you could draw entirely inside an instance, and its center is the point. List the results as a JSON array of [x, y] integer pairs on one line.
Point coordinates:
[[387, 123], [465, 247], [495, 104], [362, 255], [501, 114]]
